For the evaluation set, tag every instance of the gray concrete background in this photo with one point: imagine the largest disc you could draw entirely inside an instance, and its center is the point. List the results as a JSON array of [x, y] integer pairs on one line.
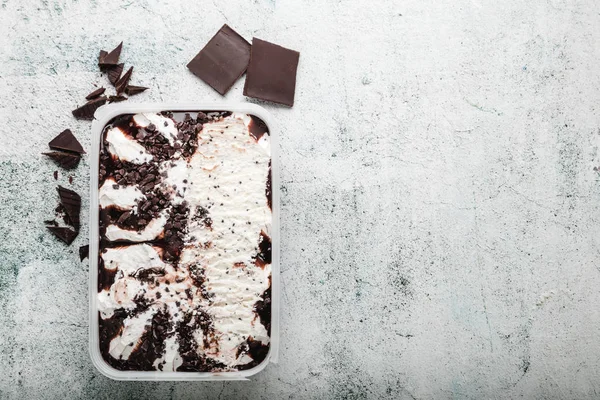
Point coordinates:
[[440, 204]]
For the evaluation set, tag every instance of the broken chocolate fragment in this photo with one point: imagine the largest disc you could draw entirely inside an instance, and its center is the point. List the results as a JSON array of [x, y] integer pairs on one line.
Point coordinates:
[[65, 160], [71, 202], [87, 110], [116, 99], [55, 175], [84, 252], [111, 58], [95, 93], [51, 222], [114, 73], [271, 73], [123, 81], [67, 235], [223, 60], [103, 53], [130, 90], [66, 141]]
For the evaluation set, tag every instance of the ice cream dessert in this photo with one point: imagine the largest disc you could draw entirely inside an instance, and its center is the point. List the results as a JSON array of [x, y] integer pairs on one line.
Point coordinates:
[[184, 274]]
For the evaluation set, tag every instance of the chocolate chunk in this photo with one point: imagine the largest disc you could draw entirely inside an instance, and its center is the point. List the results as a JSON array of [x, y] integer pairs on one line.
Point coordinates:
[[71, 201], [111, 58], [271, 73], [87, 110], [223, 60], [130, 90], [114, 73], [95, 93], [116, 99], [67, 142], [65, 160], [123, 81], [67, 235], [55, 174], [51, 222], [84, 252], [103, 53]]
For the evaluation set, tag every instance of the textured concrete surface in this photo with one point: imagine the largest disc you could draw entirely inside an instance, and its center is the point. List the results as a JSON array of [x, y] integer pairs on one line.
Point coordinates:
[[440, 203]]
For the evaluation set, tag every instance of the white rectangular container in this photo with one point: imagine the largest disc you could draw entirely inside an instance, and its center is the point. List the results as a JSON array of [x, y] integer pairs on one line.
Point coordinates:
[[102, 116]]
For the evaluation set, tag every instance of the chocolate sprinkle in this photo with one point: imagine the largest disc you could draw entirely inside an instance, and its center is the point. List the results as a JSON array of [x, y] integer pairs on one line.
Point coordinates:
[[71, 201], [65, 160], [95, 93], [271, 73], [66, 141], [87, 110], [67, 235], [84, 252], [131, 90], [123, 81]]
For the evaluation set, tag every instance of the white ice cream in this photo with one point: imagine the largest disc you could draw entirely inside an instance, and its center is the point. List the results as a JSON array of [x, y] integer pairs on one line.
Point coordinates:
[[164, 125], [152, 231], [122, 197], [126, 148], [133, 329]]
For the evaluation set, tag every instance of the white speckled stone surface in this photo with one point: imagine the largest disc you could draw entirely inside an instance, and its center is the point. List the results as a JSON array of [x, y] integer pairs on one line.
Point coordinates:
[[440, 204]]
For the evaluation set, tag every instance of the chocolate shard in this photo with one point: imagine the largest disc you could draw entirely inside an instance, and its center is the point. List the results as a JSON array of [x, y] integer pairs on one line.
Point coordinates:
[[272, 73], [130, 90], [114, 73], [123, 81], [116, 99], [84, 252], [111, 58], [103, 53], [65, 160], [223, 60], [67, 235], [66, 141], [71, 202], [51, 222], [95, 93], [87, 110]]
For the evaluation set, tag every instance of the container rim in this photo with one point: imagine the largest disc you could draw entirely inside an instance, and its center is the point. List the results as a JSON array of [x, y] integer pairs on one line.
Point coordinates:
[[101, 117]]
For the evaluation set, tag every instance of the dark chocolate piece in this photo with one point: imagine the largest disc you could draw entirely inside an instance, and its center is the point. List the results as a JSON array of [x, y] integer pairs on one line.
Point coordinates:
[[111, 58], [103, 53], [130, 90], [271, 73], [95, 93], [116, 99], [223, 60], [114, 73], [55, 174], [123, 81], [87, 110], [66, 141], [51, 222], [65, 160], [84, 252], [67, 235], [71, 202]]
